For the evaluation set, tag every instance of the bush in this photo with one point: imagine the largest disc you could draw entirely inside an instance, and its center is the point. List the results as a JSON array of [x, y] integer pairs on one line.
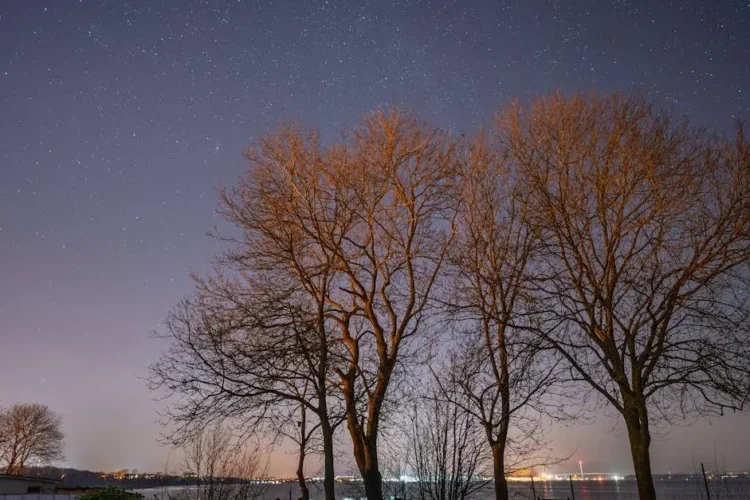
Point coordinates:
[[110, 493]]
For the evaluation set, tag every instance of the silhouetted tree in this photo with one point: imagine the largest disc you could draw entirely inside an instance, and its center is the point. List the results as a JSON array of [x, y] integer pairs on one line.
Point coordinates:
[[226, 468], [298, 427], [446, 447], [244, 349]]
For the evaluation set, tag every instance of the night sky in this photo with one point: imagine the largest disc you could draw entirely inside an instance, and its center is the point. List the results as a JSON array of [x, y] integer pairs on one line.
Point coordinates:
[[119, 119]]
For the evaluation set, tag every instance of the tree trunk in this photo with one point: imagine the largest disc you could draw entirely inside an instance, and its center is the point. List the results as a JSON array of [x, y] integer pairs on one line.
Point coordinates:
[[640, 441], [366, 456], [304, 492], [365, 451], [329, 478], [373, 482], [498, 471], [11, 468]]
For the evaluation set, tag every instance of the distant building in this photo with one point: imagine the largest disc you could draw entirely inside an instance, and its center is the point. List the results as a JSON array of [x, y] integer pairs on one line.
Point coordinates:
[[525, 473], [15, 485]]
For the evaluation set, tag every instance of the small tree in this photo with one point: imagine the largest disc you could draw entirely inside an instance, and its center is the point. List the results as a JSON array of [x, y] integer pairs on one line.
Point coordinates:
[[646, 227], [303, 431], [226, 468], [446, 448], [29, 432]]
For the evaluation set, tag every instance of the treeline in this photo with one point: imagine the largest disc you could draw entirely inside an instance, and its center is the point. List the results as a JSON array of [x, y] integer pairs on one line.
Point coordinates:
[[69, 478], [585, 250]]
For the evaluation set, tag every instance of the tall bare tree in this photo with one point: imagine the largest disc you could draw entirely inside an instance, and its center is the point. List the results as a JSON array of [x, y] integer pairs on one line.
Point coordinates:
[[360, 230], [29, 432], [241, 350], [255, 339], [646, 226], [501, 367], [400, 174], [294, 209]]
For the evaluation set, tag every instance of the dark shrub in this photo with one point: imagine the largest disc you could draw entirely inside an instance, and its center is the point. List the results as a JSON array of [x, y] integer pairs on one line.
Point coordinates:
[[110, 493]]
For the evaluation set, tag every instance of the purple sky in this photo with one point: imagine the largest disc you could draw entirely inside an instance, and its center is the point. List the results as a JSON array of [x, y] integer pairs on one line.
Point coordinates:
[[118, 119]]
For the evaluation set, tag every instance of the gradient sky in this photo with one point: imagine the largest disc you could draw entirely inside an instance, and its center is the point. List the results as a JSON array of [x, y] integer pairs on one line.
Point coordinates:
[[118, 120]]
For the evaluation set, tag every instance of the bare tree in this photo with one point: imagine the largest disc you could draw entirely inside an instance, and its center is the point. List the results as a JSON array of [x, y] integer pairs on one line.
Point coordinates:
[[298, 427], [255, 340], [646, 226], [447, 449], [294, 208], [4, 436], [245, 350], [501, 367], [359, 231], [400, 176], [226, 469], [29, 432]]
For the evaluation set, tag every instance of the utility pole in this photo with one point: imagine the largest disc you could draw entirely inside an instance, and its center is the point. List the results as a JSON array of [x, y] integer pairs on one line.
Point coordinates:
[[705, 482], [572, 491]]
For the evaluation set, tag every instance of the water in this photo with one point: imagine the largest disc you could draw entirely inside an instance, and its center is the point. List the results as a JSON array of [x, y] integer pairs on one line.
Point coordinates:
[[666, 489]]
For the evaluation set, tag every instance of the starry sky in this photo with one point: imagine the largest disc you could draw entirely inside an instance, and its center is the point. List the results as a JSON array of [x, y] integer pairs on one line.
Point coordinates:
[[119, 119]]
